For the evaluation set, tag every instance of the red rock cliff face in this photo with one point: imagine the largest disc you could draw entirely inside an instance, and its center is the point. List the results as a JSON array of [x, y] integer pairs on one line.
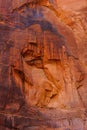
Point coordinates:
[[43, 65]]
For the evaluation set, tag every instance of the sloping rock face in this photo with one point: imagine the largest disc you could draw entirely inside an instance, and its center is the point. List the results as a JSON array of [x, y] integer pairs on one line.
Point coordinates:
[[43, 65]]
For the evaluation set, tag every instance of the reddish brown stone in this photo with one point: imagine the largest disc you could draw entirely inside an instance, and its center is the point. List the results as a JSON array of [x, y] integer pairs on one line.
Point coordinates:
[[43, 69]]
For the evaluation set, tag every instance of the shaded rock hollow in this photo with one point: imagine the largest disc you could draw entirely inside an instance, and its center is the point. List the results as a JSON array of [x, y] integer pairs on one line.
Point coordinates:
[[43, 68]]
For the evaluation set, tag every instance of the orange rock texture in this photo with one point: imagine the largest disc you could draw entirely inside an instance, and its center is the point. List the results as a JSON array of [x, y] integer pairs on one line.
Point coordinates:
[[43, 65]]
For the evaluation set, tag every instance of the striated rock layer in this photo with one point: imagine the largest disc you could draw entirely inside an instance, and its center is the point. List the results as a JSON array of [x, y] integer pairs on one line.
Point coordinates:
[[43, 65]]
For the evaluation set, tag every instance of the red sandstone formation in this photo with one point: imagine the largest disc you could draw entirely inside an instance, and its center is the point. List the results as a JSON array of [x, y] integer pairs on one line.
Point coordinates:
[[43, 65]]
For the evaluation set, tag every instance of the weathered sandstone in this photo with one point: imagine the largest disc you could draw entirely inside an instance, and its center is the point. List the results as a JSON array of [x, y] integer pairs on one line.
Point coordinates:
[[43, 65]]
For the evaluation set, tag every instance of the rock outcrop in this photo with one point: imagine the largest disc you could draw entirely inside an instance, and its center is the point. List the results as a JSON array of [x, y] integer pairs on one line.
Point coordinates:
[[43, 65]]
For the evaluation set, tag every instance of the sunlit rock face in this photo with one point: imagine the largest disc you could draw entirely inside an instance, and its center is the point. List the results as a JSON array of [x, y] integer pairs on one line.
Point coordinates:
[[43, 68], [72, 4]]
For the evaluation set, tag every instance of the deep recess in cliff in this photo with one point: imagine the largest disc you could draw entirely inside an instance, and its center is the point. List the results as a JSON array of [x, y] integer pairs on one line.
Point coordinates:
[[43, 65]]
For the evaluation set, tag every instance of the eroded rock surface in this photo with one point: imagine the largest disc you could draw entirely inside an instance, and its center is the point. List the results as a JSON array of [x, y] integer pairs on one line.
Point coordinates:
[[43, 68]]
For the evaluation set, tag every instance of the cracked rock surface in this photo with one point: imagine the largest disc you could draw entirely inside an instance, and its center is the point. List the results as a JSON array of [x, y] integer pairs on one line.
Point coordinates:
[[43, 65]]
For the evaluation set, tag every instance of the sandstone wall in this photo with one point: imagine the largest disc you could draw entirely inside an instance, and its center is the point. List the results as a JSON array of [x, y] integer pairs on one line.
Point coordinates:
[[43, 65]]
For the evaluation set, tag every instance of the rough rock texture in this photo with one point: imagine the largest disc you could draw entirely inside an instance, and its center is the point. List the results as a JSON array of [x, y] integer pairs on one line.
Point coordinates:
[[43, 65]]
